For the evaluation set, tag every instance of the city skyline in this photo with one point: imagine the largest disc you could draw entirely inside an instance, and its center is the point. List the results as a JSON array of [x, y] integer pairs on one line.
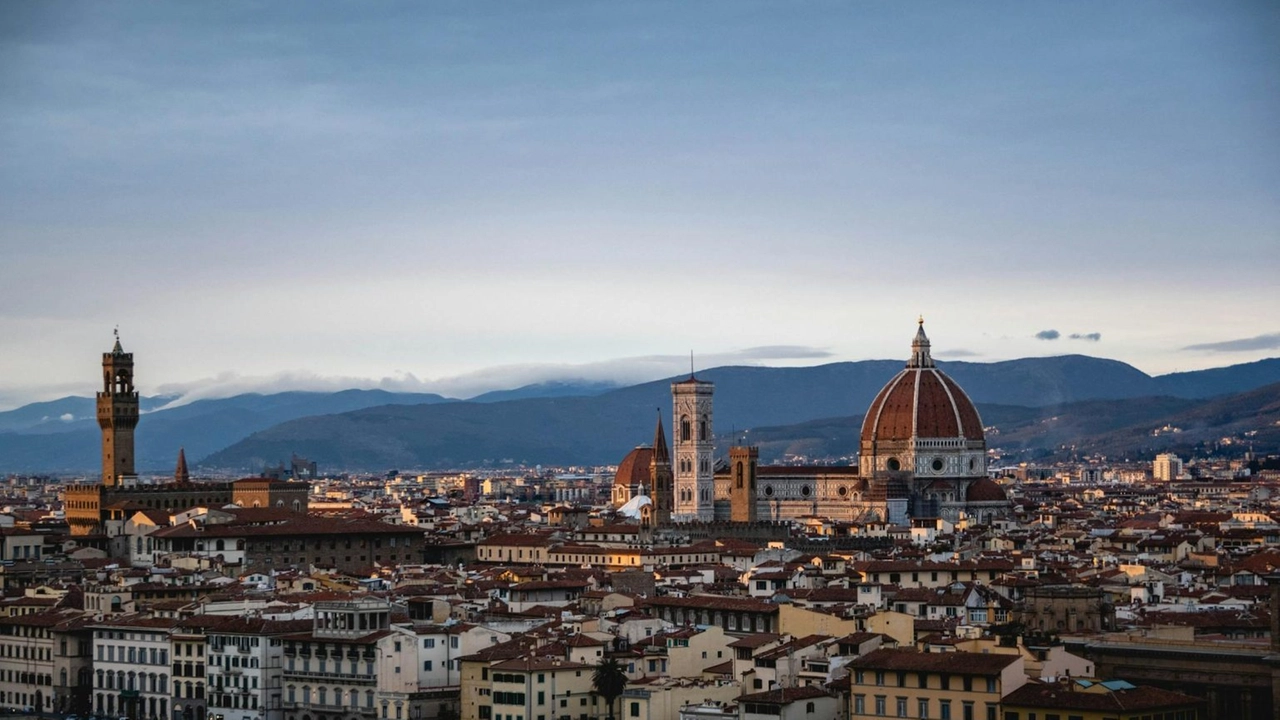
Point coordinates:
[[271, 197]]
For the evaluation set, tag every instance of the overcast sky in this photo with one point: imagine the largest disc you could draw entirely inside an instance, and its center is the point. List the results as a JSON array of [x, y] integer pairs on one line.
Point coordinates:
[[458, 196]]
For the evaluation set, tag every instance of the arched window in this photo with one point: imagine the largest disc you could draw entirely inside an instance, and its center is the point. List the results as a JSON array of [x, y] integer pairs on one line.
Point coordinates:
[[337, 697], [355, 698], [702, 429], [809, 708], [368, 698], [684, 428], [323, 694], [220, 545], [738, 475]]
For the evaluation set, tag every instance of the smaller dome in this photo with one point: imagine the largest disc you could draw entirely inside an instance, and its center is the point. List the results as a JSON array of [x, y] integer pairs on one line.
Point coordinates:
[[634, 468], [986, 490], [632, 508]]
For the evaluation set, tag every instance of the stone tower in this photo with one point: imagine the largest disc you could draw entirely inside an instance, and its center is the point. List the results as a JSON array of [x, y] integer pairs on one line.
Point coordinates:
[[742, 477], [661, 481], [694, 446], [117, 416], [180, 473]]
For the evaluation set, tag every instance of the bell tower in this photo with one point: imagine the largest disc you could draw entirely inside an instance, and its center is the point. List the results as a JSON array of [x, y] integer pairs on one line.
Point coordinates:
[[660, 478], [694, 446], [117, 416]]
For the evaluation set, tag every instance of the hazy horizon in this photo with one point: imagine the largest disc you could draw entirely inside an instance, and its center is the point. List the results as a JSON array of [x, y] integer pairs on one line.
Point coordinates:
[[406, 194]]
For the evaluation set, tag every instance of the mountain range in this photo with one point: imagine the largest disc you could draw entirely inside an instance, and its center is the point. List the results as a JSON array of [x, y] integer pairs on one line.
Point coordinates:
[[810, 411]]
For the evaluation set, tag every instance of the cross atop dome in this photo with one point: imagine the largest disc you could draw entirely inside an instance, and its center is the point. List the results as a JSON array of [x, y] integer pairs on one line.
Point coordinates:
[[920, 357]]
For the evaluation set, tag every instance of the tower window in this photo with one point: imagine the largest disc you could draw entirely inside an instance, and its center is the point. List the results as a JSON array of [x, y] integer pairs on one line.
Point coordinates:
[[684, 428]]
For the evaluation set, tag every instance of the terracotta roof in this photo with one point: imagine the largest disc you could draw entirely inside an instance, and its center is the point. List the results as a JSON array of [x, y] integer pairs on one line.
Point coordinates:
[[985, 490], [634, 468], [1052, 696], [962, 663]]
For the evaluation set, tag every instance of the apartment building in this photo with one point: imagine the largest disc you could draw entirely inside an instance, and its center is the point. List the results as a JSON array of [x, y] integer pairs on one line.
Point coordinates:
[[131, 667], [945, 686]]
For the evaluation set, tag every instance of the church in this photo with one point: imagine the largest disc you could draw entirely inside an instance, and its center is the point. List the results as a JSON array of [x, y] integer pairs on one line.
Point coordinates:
[[922, 454]]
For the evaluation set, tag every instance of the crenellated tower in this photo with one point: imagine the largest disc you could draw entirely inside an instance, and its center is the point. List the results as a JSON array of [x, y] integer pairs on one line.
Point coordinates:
[[117, 416], [694, 448]]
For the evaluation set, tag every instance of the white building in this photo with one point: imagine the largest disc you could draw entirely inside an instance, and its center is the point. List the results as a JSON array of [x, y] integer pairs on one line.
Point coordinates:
[[131, 667], [245, 666]]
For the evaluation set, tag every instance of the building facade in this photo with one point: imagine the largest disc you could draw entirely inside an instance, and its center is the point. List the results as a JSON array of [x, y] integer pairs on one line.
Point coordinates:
[[694, 443]]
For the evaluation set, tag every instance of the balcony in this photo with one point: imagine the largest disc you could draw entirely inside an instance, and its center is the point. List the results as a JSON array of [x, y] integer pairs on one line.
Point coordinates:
[[348, 678], [338, 709]]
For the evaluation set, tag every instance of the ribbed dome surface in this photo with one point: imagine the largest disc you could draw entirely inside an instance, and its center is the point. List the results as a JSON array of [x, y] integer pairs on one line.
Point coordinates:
[[634, 469], [985, 490], [921, 402]]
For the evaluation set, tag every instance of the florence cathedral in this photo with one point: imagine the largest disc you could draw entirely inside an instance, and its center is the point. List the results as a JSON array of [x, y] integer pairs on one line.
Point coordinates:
[[922, 454]]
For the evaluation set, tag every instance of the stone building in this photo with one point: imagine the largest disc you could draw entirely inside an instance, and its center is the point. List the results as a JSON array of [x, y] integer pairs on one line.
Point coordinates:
[[1066, 609], [287, 540], [922, 454], [103, 508]]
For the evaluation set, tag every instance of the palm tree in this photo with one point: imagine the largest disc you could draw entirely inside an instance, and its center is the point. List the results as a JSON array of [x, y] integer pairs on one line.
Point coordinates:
[[609, 681]]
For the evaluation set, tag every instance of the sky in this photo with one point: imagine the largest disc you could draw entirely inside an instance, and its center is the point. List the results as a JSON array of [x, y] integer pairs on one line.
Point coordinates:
[[457, 197]]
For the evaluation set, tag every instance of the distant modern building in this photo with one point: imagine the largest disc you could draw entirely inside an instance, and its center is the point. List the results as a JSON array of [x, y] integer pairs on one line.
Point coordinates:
[[1167, 467]]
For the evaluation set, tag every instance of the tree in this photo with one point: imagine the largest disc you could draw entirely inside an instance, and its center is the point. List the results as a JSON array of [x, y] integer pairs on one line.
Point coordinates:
[[608, 681]]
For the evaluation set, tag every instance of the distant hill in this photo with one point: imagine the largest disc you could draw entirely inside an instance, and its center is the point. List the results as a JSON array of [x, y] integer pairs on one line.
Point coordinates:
[[577, 388], [600, 429], [1133, 428], [38, 442]]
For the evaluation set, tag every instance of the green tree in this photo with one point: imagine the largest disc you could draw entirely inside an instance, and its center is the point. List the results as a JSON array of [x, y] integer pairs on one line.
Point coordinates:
[[609, 681]]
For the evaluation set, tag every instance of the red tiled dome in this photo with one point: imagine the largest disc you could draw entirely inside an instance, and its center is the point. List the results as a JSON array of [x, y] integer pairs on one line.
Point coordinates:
[[921, 402], [634, 468], [985, 490]]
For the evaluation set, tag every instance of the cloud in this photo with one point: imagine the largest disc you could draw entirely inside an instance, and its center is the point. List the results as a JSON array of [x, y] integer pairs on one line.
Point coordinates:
[[1048, 335], [66, 417], [1091, 337], [1269, 341], [625, 371], [957, 353]]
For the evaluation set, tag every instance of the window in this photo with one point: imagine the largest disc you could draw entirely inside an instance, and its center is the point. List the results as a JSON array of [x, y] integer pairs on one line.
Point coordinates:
[[880, 704], [944, 709], [991, 684], [923, 709], [635, 709], [859, 704], [809, 708], [968, 710], [426, 665], [902, 707]]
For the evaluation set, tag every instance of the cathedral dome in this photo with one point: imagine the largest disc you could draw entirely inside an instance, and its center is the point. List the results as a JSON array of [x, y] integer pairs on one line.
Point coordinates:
[[634, 468], [985, 490], [921, 402]]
